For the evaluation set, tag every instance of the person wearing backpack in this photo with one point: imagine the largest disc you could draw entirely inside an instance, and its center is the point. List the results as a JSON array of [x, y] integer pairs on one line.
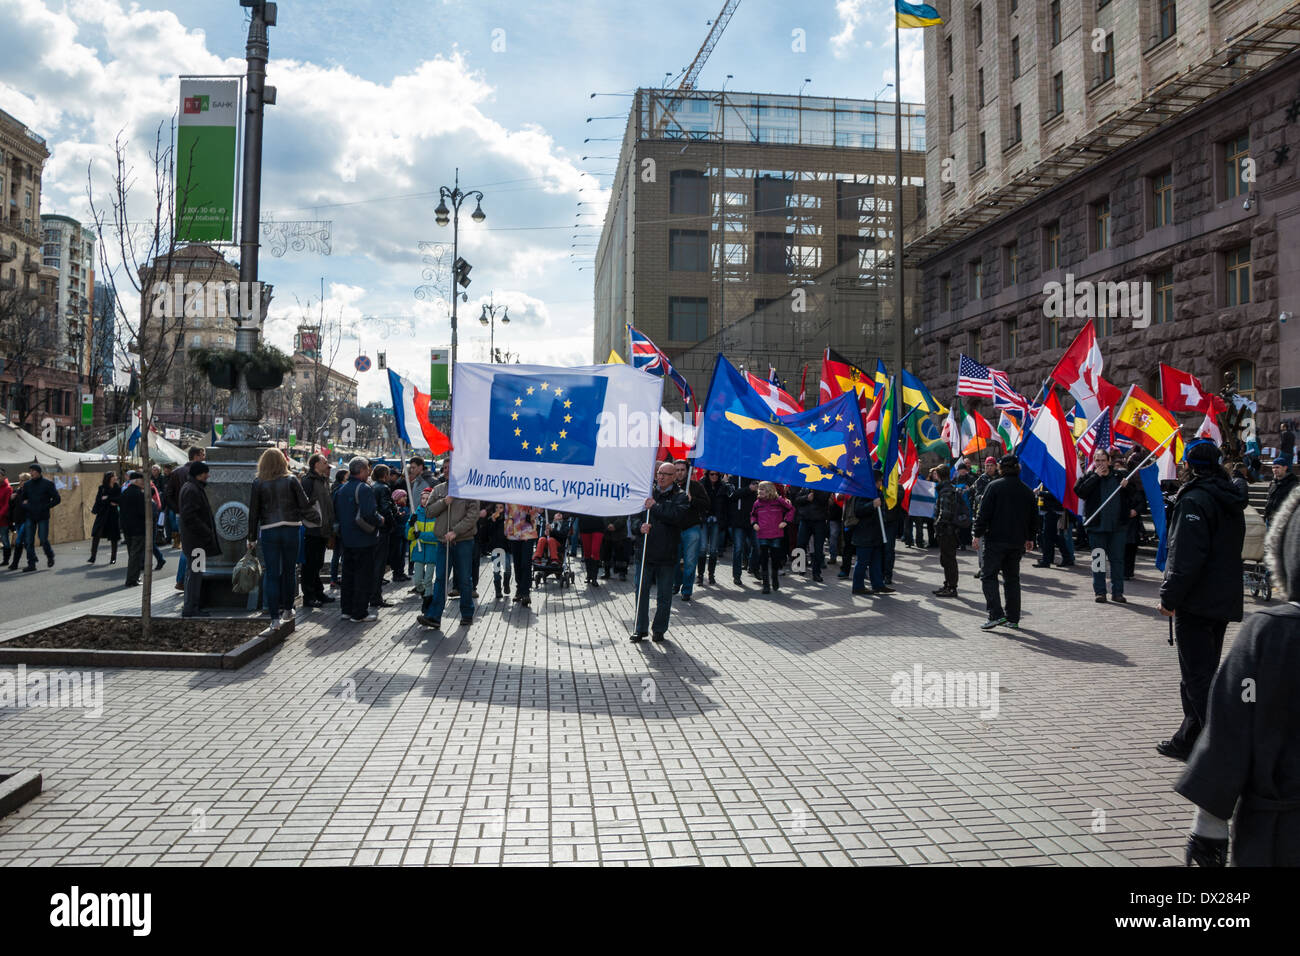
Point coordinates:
[[950, 515]]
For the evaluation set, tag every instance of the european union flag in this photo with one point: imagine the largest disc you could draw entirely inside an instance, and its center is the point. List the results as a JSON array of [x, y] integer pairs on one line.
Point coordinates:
[[545, 418], [822, 448]]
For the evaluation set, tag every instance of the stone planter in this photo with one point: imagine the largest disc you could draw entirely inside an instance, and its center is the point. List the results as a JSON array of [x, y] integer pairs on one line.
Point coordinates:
[[224, 375], [263, 379]]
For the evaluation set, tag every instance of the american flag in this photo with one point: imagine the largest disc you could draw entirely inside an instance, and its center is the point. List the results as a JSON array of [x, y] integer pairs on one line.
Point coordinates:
[[1097, 435], [974, 379], [650, 358]]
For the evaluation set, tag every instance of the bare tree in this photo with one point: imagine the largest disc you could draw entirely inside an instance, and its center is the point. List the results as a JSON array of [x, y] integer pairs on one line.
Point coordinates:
[[316, 401], [30, 342], [145, 250]]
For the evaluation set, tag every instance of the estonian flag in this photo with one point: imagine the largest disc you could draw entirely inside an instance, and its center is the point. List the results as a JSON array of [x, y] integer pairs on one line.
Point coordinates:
[[915, 15]]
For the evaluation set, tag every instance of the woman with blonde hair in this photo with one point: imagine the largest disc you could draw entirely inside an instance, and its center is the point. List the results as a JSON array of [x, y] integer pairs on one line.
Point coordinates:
[[770, 516], [275, 512]]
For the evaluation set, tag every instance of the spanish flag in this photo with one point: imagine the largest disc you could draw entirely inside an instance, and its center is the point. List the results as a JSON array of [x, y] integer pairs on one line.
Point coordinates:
[[915, 15], [1146, 422]]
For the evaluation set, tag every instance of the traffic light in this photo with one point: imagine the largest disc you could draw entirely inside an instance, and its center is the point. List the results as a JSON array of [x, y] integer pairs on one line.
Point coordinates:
[[461, 270]]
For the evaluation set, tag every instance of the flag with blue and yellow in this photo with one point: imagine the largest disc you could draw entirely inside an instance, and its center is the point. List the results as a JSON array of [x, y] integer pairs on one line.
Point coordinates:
[[822, 448], [915, 15], [882, 377], [916, 395], [573, 439], [887, 444]]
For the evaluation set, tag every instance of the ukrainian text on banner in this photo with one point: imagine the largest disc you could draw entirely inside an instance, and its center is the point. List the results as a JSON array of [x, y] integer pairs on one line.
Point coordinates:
[[205, 160], [573, 439]]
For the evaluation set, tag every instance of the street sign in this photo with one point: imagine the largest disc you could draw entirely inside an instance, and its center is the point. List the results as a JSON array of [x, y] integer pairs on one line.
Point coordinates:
[[362, 363]]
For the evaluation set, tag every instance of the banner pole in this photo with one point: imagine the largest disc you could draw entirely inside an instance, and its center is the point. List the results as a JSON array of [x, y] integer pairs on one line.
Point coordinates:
[[640, 578], [1173, 434]]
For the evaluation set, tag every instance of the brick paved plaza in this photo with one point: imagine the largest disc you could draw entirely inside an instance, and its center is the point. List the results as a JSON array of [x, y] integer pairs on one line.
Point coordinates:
[[762, 732]]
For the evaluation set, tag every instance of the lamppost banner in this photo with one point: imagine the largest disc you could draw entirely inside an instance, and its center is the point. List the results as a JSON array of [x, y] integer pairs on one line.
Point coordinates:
[[438, 388], [87, 410], [205, 160]]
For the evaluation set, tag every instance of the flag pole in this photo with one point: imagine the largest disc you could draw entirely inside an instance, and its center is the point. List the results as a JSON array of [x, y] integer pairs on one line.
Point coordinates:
[[1173, 434], [901, 351]]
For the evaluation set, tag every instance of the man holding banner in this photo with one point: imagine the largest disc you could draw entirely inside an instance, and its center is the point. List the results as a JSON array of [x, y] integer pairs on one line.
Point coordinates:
[[666, 510]]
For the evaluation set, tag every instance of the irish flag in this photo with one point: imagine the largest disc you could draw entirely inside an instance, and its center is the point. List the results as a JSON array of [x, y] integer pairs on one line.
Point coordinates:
[[411, 410]]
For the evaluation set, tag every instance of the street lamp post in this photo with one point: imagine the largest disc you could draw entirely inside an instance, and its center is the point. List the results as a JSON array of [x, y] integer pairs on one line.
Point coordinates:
[[488, 317], [460, 269]]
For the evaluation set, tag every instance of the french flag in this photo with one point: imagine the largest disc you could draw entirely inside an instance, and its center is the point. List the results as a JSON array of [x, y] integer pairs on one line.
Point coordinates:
[[411, 411], [1048, 454]]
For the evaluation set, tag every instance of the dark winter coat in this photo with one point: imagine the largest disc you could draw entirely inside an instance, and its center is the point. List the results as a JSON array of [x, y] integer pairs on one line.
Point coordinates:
[[741, 506], [38, 496], [1008, 513], [131, 506], [317, 490], [198, 530], [105, 510], [812, 505], [591, 524], [1094, 489], [867, 531], [720, 494], [1278, 492], [669, 515], [1207, 527], [700, 507], [946, 497], [352, 498], [277, 502]]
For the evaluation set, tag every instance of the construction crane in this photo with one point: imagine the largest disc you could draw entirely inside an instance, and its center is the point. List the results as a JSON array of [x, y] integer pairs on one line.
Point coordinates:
[[710, 41]]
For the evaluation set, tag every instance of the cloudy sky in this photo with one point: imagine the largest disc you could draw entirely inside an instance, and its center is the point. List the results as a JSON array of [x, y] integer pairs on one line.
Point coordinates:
[[379, 102]]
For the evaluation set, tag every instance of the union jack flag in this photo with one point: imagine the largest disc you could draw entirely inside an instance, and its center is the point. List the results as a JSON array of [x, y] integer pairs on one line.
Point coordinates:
[[650, 358], [1097, 435], [1004, 396]]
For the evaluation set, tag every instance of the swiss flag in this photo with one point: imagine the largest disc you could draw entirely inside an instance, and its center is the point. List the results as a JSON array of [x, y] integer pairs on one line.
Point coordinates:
[[1182, 392], [1080, 371]]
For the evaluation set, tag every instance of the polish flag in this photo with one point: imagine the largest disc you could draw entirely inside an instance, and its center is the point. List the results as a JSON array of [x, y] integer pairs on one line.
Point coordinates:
[[1080, 371], [777, 399], [411, 410]]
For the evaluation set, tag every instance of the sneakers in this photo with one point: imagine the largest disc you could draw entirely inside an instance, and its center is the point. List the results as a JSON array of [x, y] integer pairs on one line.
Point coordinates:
[[639, 636], [991, 623], [945, 592], [372, 616]]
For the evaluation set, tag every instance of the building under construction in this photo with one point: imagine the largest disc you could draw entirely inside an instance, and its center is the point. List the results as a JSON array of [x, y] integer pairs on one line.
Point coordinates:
[[788, 252]]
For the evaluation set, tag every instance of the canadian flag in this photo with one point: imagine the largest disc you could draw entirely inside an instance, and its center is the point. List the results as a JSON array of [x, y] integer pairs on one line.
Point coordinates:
[[1210, 429], [1182, 392], [1080, 371], [774, 396]]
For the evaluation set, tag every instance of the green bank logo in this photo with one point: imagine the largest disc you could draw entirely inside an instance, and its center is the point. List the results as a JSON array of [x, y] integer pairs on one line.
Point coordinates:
[[196, 104]]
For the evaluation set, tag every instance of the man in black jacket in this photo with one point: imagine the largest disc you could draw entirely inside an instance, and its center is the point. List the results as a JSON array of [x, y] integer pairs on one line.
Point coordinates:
[[692, 528], [171, 496], [744, 542], [1202, 586], [1284, 481], [811, 507], [131, 512], [198, 534], [1007, 522], [384, 509], [316, 485], [38, 496], [1103, 495], [948, 510], [716, 526], [661, 546]]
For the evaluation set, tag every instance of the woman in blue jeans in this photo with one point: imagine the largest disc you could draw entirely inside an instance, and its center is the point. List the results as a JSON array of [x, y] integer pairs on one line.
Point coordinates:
[[275, 513]]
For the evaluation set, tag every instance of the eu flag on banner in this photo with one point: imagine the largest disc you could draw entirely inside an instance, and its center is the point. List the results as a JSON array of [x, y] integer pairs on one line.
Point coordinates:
[[551, 418], [822, 448]]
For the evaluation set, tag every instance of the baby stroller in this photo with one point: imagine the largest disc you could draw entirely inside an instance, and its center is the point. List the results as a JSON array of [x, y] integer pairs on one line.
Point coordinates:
[[551, 568], [1253, 570]]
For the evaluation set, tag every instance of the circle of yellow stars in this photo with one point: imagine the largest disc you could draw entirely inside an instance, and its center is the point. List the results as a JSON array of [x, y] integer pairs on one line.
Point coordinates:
[[557, 392]]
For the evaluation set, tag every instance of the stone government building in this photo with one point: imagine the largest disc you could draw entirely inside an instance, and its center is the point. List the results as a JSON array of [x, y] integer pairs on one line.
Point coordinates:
[[1174, 207]]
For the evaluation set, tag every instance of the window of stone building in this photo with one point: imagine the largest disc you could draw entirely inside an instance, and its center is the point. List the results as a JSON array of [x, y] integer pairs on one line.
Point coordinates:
[[1015, 58], [1168, 18], [983, 151], [1015, 124], [688, 192], [977, 14], [1058, 94], [1236, 155], [1051, 332], [945, 292], [1107, 57], [1015, 5], [1052, 245], [1054, 21], [976, 273], [947, 53], [973, 346], [1243, 370], [1010, 264], [1236, 264], [979, 87], [1162, 289], [949, 358], [952, 115], [772, 252], [1010, 340], [688, 250], [1101, 225], [1162, 198], [688, 318]]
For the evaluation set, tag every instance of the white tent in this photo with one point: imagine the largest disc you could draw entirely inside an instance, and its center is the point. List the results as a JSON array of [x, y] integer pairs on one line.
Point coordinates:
[[161, 451], [19, 448]]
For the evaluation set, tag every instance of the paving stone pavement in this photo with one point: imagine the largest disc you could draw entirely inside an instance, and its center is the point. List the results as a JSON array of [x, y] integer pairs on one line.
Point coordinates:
[[762, 732]]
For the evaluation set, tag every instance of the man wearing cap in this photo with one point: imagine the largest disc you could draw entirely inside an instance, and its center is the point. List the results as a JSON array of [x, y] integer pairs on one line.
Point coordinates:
[[131, 516], [1202, 586], [1007, 524], [1104, 497], [198, 534], [1284, 482]]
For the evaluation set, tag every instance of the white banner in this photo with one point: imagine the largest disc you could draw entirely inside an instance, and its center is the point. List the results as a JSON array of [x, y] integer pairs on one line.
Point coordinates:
[[580, 440]]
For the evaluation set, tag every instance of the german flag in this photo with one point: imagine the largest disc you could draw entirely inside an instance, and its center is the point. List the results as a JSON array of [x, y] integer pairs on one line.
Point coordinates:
[[839, 375]]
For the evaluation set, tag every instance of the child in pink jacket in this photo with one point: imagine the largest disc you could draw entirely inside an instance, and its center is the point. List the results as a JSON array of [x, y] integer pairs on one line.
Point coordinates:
[[769, 516]]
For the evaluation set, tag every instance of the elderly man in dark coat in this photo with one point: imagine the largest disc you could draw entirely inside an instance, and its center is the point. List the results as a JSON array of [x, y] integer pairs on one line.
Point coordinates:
[[198, 534], [1247, 760]]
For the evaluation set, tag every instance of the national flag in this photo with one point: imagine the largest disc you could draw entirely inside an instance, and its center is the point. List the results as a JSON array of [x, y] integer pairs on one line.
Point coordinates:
[[882, 377], [951, 431], [1047, 454], [1004, 396], [1156, 506], [1148, 423], [924, 432], [973, 379], [1183, 392], [921, 501], [134, 440], [911, 469], [887, 450], [648, 357], [574, 439], [773, 396], [1210, 429], [910, 15], [821, 448], [975, 433], [614, 358], [871, 422], [411, 415], [1010, 432], [803, 386], [839, 375], [1096, 434], [1079, 371], [916, 395], [676, 437]]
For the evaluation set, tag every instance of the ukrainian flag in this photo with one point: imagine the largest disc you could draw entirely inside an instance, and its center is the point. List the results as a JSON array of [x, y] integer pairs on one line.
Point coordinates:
[[882, 378], [916, 395], [915, 15]]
